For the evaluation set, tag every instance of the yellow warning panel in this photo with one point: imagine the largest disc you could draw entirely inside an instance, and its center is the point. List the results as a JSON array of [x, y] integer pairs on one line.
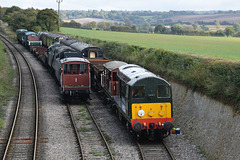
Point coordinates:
[[151, 110]]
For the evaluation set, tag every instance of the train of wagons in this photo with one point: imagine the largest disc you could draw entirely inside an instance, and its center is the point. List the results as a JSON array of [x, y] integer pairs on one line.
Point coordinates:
[[142, 100]]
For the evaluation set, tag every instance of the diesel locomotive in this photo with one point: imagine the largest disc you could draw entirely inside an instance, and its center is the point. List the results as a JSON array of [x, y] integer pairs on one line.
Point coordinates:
[[142, 100]]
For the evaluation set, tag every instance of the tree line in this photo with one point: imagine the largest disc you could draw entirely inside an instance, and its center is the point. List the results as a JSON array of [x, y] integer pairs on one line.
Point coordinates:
[[137, 17], [199, 30], [152, 22], [30, 19], [176, 29]]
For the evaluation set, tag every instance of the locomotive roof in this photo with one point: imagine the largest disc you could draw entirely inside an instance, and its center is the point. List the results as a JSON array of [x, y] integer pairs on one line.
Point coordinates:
[[54, 45], [132, 73], [60, 48], [42, 33], [74, 59], [113, 65], [68, 41], [30, 33], [80, 46], [20, 30], [52, 35]]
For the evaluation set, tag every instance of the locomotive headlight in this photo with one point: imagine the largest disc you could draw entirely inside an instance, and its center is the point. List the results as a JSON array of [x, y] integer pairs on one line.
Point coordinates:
[[141, 113]]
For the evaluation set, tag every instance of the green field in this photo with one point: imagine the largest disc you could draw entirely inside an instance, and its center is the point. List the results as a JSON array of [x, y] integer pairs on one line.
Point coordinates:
[[215, 47]]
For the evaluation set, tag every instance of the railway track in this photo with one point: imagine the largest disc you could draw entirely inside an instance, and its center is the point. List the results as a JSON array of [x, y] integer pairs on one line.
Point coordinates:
[[93, 144], [154, 151], [22, 141]]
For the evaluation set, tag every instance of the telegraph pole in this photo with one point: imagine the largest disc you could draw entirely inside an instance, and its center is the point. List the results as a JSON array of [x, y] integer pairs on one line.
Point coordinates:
[[59, 1]]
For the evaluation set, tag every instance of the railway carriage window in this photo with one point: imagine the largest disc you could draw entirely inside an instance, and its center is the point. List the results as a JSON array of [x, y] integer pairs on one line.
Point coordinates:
[[115, 76], [75, 68], [138, 92], [83, 68], [163, 91], [67, 69]]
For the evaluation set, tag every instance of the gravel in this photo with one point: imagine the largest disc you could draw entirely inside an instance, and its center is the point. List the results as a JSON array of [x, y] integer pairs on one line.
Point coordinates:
[[54, 125], [182, 148]]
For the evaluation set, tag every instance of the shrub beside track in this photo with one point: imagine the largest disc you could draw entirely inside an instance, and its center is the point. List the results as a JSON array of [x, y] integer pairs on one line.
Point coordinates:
[[6, 76], [219, 79]]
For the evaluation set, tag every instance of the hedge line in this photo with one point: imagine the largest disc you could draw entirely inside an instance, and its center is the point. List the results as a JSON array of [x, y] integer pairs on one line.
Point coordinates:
[[218, 79]]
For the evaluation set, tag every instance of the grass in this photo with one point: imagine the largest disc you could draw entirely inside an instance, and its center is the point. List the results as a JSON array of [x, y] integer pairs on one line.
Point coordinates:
[[214, 47], [82, 109], [95, 153], [85, 129], [6, 76]]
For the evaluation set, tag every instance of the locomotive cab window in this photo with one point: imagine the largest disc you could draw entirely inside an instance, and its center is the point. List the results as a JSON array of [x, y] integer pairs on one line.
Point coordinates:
[[163, 91], [138, 92], [122, 89], [92, 55]]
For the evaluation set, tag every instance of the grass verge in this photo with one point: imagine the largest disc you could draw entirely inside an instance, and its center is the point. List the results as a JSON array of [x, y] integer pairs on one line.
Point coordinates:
[[6, 77]]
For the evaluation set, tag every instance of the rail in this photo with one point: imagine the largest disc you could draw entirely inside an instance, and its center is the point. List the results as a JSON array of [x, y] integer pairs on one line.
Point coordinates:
[[9, 45]]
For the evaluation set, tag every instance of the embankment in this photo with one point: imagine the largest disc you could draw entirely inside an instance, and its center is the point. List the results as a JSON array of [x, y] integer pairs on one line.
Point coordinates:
[[207, 123]]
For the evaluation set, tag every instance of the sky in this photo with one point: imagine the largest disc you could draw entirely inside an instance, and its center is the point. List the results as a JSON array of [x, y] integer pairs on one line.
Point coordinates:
[[130, 5]]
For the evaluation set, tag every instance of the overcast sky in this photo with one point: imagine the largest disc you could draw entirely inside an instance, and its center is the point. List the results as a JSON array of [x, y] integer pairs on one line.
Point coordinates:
[[154, 5]]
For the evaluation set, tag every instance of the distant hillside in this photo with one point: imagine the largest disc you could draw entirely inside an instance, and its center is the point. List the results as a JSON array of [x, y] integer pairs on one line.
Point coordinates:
[[235, 17], [84, 20], [153, 18]]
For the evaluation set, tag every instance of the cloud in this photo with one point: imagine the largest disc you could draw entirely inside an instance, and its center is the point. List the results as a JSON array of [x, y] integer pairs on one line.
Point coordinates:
[[155, 5]]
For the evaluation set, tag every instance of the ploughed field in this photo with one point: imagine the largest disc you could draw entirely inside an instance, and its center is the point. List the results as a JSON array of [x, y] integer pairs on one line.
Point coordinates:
[[215, 47]]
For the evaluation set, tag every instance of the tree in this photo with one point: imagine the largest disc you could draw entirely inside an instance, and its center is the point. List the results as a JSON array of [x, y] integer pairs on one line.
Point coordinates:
[[47, 19], [71, 24], [229, 31], [92, 24], [12, 9], [109, 24], [23, 19], [204, 27], [146, 26], [1, 13], [177, 29], [134, 28], [102, 25], [218, 26], [195, 26], [160, 28], [236, 27], [128, 22]]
